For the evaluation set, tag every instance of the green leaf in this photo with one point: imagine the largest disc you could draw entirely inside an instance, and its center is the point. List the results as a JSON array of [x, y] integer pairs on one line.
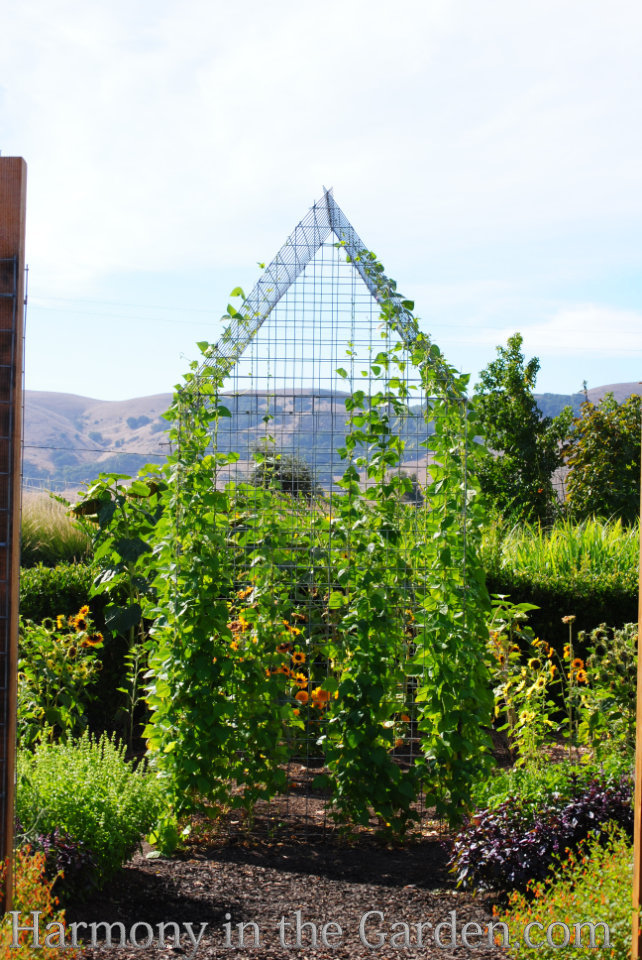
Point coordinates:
[[121, 619], [131, 548], [336, 600]]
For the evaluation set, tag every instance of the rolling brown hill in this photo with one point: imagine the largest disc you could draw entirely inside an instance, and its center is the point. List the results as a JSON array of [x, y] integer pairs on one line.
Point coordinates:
[[70, 439]]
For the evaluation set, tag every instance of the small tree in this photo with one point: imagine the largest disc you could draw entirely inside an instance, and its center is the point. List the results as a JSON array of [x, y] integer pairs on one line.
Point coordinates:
[[524, 446], [284, 471], [603, 456]]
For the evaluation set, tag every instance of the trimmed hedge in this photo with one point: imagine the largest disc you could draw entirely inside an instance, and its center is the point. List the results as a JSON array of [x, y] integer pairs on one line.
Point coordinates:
[[593, 601], [48, 591]]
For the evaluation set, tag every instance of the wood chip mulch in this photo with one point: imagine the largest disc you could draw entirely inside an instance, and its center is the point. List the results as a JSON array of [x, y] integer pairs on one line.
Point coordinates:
[[231, 877]]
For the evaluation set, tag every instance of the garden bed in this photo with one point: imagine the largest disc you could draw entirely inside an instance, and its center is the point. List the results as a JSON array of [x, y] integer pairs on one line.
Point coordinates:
[[253, 878]]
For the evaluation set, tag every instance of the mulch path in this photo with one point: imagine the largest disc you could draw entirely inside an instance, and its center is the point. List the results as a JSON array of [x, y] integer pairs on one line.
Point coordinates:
[[290, 860]]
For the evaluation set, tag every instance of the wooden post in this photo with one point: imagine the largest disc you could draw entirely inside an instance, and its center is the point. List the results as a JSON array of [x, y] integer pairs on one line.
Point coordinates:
[[13, 184], [636, 948]]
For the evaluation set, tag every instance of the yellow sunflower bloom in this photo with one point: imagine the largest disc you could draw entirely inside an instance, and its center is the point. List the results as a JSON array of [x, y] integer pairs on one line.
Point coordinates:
[[298, 658], [320, 697]]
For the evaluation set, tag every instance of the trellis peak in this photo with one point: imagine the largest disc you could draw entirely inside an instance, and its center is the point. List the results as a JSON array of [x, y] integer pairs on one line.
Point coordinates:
[[323, 219]]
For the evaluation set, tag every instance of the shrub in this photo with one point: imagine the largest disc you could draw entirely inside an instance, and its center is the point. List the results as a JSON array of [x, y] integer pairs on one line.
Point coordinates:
[[47, 591], [88, 790], [49, 535], [32, 891], [57, 664], [591, 884], [509, 846]]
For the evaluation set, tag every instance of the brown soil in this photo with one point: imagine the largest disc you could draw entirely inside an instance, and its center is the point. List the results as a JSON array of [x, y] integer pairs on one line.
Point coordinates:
[[290, 859]]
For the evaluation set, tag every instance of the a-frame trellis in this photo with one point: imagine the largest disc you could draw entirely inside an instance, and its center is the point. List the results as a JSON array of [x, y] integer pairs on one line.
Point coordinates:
[[326, 441], [324, 220], [320, 295]]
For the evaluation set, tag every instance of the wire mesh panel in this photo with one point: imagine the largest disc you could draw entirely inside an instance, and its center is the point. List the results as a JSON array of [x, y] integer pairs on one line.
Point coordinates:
[[321, 445]]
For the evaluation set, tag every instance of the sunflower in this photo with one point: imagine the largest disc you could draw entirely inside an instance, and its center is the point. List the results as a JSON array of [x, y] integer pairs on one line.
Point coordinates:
[[581, 676], [283, 648], [286, 670], [540, 683], [84, 611], [320, 697], [60, 622], [79, 623], [298, 658], [94, 640], [242, 594], [300, 679], [535, 663], [302, 696], [567, 651], [577, 664]]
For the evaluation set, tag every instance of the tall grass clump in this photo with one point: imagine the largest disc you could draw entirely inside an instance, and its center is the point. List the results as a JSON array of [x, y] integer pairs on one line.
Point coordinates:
[[581, 553], [49, 535], [88, 790]]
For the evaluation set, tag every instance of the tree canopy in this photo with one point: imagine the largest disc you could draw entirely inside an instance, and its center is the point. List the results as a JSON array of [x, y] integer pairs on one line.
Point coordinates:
[[524, 446]]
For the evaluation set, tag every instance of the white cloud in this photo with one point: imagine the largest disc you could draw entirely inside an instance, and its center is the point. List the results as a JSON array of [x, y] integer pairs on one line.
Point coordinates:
[[195, 133], [586, 329]]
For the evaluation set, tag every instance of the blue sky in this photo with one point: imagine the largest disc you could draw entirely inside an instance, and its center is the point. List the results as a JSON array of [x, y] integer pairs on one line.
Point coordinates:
[[489, 153]]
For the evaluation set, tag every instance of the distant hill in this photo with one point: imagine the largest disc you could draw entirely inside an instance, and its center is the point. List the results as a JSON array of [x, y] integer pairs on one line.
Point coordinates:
[[70, 439], [551, 404]]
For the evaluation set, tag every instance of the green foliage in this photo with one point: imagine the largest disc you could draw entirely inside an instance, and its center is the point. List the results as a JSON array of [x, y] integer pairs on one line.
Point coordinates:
[[603, 456], [57, 666], [609, 701], [539, 784], [88, 790], [521, 690], [237, 565], [47, 589], [453, 692], [590, 885], [48, 535], [121, 518], [590, 569], [516, 477], [285, 472], [370, 616]]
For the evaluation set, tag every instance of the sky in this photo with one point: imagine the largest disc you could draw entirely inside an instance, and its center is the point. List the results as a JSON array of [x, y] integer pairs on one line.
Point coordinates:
[[490, 153]]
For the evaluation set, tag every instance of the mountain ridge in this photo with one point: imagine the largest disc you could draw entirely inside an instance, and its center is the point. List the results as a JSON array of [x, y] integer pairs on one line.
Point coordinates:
[[69, 439]]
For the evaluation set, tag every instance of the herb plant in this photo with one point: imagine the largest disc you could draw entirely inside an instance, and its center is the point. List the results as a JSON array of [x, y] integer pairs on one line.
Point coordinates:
[[88, 790]]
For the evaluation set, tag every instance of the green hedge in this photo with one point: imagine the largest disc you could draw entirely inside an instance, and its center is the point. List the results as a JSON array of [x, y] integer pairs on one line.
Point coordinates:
[[49, 591], [611, 599]]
